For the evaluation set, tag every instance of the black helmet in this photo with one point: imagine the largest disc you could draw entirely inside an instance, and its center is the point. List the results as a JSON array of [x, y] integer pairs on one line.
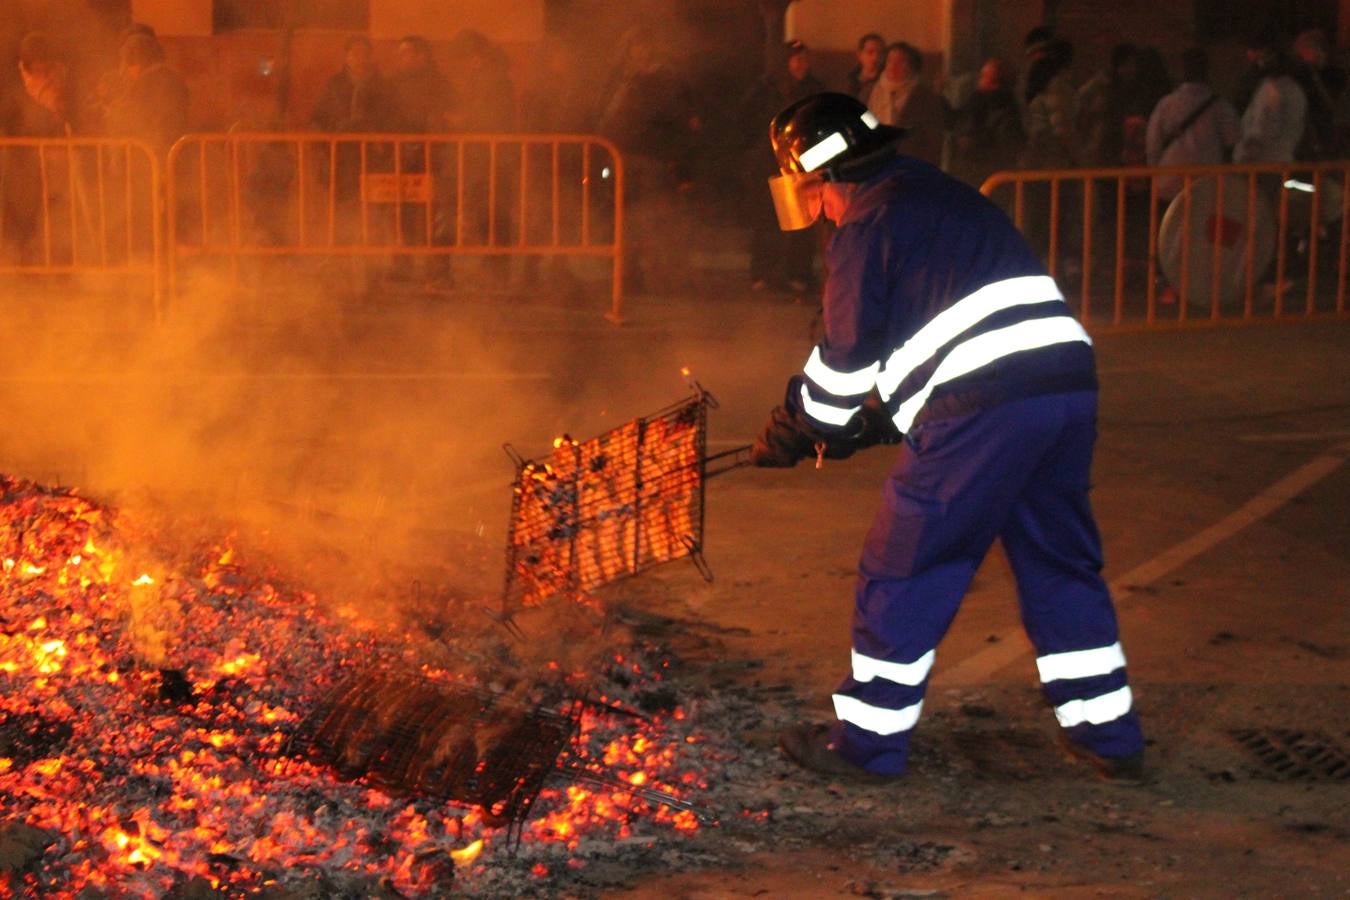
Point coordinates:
[[828, 134]]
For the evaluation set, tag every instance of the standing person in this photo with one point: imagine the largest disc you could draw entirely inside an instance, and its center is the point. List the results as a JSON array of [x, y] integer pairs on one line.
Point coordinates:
[[1051, 109], [355, 99], [1101, 108], [1273, 122], [423, 103], [559, 98], [935, 304], [1324, 85], [33, 184], [651, 117], [1151, 84], [423, 100], [47, 107], [487, 105], [1035, 44], [153, 106], [1192, 126], [987, 128], [861, 78], [901, 99], [778, 261]]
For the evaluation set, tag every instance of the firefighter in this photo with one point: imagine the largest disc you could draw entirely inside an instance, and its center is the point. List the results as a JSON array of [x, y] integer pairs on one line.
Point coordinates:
[[945, 335]]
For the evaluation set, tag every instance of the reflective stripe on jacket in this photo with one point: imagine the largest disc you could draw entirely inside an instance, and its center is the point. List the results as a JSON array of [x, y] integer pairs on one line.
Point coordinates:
[[936, 301]]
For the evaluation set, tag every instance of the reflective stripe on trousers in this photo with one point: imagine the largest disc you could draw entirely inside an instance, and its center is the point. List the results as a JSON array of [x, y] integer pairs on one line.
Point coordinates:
[[1020, 472]]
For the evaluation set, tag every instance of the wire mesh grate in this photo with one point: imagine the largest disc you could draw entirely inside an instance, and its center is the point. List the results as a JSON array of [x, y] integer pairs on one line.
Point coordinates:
[[599, 510], [409, 734]]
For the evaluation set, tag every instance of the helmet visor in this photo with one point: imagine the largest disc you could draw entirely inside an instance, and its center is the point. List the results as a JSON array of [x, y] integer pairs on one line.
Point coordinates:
[[797, 199]]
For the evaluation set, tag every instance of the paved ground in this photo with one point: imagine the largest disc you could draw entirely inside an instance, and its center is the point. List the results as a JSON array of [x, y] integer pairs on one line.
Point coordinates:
[[1222, 491]]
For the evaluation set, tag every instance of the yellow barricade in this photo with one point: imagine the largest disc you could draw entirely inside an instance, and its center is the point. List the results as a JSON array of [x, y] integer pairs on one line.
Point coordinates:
[[80, 206], [258, 196]]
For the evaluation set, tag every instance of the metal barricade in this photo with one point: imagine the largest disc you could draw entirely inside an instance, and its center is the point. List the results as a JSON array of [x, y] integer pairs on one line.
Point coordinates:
[[259, 196], [1141, 248], [81, 206]]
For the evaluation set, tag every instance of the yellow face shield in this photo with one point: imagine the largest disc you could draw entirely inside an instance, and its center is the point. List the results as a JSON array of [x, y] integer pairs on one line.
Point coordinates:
[[797, 199]]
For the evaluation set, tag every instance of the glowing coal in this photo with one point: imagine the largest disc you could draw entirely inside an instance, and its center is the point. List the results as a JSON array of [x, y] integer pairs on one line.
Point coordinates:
[[146, 701]]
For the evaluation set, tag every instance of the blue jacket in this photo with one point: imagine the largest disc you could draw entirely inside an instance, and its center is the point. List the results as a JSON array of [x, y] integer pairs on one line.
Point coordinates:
[[934, 299]]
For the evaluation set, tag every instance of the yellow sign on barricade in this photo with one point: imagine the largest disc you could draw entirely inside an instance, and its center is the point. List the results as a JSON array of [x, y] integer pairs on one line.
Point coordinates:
[[389, 188]]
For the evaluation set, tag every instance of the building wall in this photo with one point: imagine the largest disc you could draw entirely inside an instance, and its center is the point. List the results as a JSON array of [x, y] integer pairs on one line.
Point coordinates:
[[955, 36], [831, 25], [516, 21], [831, 29], [227, 74], [174, 17]]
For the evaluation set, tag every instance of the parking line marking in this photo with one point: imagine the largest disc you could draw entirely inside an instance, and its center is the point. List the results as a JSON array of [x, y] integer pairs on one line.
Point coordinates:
[[1294, 437], [1012, 644]]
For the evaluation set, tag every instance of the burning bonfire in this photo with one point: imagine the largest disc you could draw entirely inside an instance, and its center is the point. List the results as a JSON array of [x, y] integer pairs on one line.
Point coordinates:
[[169, 722]]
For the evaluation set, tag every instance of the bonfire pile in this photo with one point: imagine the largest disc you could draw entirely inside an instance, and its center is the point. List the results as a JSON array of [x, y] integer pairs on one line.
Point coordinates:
[[146, 702]]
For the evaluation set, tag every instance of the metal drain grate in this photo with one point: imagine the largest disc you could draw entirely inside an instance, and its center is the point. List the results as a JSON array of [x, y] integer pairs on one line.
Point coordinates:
[[1289, 754]]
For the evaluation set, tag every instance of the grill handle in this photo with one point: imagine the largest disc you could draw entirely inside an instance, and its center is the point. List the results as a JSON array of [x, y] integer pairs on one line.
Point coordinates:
[[726, 461]]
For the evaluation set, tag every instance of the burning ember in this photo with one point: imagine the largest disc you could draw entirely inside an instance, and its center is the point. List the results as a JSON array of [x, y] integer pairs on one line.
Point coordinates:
[[147, 706]]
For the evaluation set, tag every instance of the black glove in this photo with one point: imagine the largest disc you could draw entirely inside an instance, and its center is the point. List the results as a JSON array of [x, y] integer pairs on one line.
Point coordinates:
[[877, 425], [785, 440], [789, 436]]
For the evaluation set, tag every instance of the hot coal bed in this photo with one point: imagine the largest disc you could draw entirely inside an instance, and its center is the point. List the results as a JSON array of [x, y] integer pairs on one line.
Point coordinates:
[[181, 724]]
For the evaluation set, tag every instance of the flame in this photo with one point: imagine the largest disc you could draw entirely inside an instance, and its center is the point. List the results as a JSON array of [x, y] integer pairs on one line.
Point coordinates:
[[131, 849], [466, 855], [238, 664], [49, 655], [144, 579], [48, 767]]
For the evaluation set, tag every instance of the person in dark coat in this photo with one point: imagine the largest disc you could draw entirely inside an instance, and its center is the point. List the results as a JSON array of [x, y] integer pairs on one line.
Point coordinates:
[[153, 106], [871, 54], [357, 98], [1324, 85], [652, 119], [43, 107], [423, 102], [987, 129]]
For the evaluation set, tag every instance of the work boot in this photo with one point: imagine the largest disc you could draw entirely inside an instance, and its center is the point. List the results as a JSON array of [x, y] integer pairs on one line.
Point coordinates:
[[1115, 769], [809, 746]]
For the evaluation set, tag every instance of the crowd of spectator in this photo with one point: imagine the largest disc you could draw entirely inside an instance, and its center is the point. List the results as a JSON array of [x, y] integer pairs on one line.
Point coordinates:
[[1290, 104], [141, 98]]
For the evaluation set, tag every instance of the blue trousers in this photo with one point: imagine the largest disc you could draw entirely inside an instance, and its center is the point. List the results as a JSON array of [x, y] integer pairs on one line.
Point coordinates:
[[1019, 472]]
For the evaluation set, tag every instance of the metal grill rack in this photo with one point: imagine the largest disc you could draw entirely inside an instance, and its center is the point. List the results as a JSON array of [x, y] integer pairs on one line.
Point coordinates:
[[408, 734], [599, 510]]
